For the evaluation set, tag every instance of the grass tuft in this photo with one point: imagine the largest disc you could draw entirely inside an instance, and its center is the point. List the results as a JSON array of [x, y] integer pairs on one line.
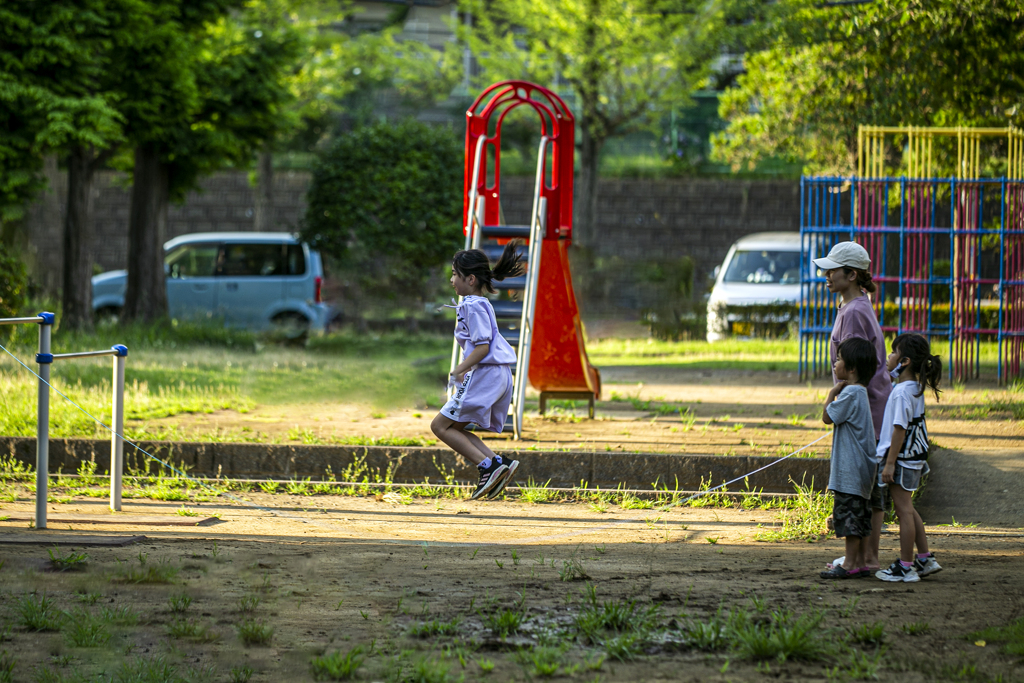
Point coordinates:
[[533, 492], [189, 629], [803, 517], [916, 628], [83, 630], [337, 666], [255, 632], [40, 613], [429, 629], [145, 572], [71, 561]]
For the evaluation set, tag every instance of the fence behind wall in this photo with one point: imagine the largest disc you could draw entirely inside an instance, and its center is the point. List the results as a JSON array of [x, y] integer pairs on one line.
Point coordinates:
[[947, 255]]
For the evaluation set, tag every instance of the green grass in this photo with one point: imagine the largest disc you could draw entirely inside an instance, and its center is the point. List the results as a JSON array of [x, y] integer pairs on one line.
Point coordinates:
[[435, 627], [802, 518], [338, 666], [84, 630], [755, 354], [747, 355], [39, 613], [70, 561], [255, 632], [1010, 636], [145, 572], [192, 369]]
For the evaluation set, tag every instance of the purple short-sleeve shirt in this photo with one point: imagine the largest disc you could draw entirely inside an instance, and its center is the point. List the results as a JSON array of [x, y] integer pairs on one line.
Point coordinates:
[[857, 319]]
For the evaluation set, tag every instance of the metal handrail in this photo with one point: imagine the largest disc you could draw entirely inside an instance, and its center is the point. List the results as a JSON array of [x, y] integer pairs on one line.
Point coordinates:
[[538, 224], [471, 228], [474, 194]]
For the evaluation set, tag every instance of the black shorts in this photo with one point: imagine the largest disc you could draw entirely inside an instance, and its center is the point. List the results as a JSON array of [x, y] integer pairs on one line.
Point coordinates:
[[878, 493], [851, 515]]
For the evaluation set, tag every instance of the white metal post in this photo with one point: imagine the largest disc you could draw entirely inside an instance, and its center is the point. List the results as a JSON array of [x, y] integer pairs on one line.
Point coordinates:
[[44, 358], [117, 427], [478, 227]]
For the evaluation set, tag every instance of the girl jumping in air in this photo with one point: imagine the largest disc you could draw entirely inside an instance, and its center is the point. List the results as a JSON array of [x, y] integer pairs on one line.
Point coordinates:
[[903, 450], [483, 380]]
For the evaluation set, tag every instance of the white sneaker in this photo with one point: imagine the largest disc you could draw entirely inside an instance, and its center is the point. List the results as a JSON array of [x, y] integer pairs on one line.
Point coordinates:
[[898, 573], [926, 566]]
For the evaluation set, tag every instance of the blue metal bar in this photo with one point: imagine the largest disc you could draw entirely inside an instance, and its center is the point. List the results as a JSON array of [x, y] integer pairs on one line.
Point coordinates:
[[1002, 279], [903, 238]]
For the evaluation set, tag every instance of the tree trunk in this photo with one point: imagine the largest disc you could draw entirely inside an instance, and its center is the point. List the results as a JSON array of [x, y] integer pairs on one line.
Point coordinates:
[[263, 221], [146, 295], [76, 300], [584, 228]]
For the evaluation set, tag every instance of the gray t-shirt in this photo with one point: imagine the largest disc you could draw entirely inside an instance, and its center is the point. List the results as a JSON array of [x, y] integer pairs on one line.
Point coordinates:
[[853, 443]]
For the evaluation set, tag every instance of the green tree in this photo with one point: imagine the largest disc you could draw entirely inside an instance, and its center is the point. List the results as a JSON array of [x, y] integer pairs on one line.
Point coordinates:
[[626, 61], [385, 201], [13, 283], [333, 69], [204, 88], [58, 98], [890, 62]]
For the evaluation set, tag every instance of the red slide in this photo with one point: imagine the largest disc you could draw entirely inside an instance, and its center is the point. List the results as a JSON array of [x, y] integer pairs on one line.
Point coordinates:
[[559, 367]]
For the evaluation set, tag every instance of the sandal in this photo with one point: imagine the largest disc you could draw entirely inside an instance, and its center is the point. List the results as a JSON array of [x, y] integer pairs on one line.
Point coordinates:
[[840, 572]]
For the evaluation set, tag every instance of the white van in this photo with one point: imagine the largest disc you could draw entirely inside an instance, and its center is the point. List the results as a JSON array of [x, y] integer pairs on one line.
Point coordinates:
[[762, 269]]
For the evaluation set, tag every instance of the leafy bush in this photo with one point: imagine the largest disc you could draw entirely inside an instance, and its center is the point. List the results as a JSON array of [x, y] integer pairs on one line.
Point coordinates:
[[386, 202], [13, 283]]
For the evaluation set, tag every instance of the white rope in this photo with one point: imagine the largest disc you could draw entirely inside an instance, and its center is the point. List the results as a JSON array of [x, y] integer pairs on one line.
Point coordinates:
[[280, 513]]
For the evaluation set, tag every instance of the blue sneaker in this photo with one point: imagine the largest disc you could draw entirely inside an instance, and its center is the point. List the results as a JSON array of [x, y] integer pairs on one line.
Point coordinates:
[[506, 478], [489, 478]]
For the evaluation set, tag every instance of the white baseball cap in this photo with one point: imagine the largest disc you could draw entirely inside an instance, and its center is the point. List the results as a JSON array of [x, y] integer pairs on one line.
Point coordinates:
[[845, 254]]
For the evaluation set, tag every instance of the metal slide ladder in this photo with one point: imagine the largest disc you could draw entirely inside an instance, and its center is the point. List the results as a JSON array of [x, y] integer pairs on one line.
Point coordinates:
[[523, 310]]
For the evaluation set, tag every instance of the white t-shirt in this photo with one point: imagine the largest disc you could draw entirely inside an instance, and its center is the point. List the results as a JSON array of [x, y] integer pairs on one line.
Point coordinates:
[[906, 409]]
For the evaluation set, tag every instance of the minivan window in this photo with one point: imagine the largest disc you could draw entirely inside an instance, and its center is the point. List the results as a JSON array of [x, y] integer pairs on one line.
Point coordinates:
[[296, 260], [192, 260], [261, 260], [764, 267]]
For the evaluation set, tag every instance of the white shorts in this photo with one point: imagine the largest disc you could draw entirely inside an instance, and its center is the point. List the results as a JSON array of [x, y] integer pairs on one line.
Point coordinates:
[[483, 398]]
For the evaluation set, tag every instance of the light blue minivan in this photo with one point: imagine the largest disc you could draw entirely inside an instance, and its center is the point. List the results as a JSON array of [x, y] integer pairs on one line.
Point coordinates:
[[258, 281]]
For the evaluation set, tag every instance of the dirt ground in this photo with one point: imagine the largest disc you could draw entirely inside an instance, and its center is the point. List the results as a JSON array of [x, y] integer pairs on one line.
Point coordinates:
[[331, 573], [328, 573], [735, 413]]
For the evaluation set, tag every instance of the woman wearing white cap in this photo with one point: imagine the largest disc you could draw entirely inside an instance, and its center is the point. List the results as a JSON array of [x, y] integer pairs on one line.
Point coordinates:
[[846, 274]]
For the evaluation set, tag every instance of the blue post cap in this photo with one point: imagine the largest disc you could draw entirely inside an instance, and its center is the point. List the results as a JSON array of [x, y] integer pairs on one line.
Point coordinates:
[[47, 318], [44, 358], [120, 350]]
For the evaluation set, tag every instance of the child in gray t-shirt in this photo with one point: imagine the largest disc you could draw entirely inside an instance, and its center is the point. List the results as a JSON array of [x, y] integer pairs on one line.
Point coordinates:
[[853, 453]]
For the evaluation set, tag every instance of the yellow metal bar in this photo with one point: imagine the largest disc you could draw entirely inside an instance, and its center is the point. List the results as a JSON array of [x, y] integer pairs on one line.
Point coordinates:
[[934, 129], [860, 151]]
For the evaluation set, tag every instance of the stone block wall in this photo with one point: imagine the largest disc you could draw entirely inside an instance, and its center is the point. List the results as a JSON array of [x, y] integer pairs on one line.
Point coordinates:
[[637, 220]]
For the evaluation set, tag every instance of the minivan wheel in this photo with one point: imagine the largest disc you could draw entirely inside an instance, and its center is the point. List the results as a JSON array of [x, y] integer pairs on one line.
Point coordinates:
[[290, 325], [107, 315]]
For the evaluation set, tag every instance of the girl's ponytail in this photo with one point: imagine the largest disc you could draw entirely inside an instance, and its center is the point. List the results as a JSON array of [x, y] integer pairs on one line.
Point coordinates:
[[925, 366], [511, 262], [931, 373], [864, 280], [474, 262]]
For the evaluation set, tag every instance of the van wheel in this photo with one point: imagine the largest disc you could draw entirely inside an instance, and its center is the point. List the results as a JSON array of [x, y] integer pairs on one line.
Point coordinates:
[[107, 315], [290, 325]]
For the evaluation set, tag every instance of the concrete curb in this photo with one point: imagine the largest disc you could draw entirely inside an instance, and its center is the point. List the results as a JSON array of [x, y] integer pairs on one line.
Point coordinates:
[[348, 463]]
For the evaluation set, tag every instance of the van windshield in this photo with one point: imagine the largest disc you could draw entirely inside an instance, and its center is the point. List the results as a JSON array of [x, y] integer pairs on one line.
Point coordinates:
[[764, 267]]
